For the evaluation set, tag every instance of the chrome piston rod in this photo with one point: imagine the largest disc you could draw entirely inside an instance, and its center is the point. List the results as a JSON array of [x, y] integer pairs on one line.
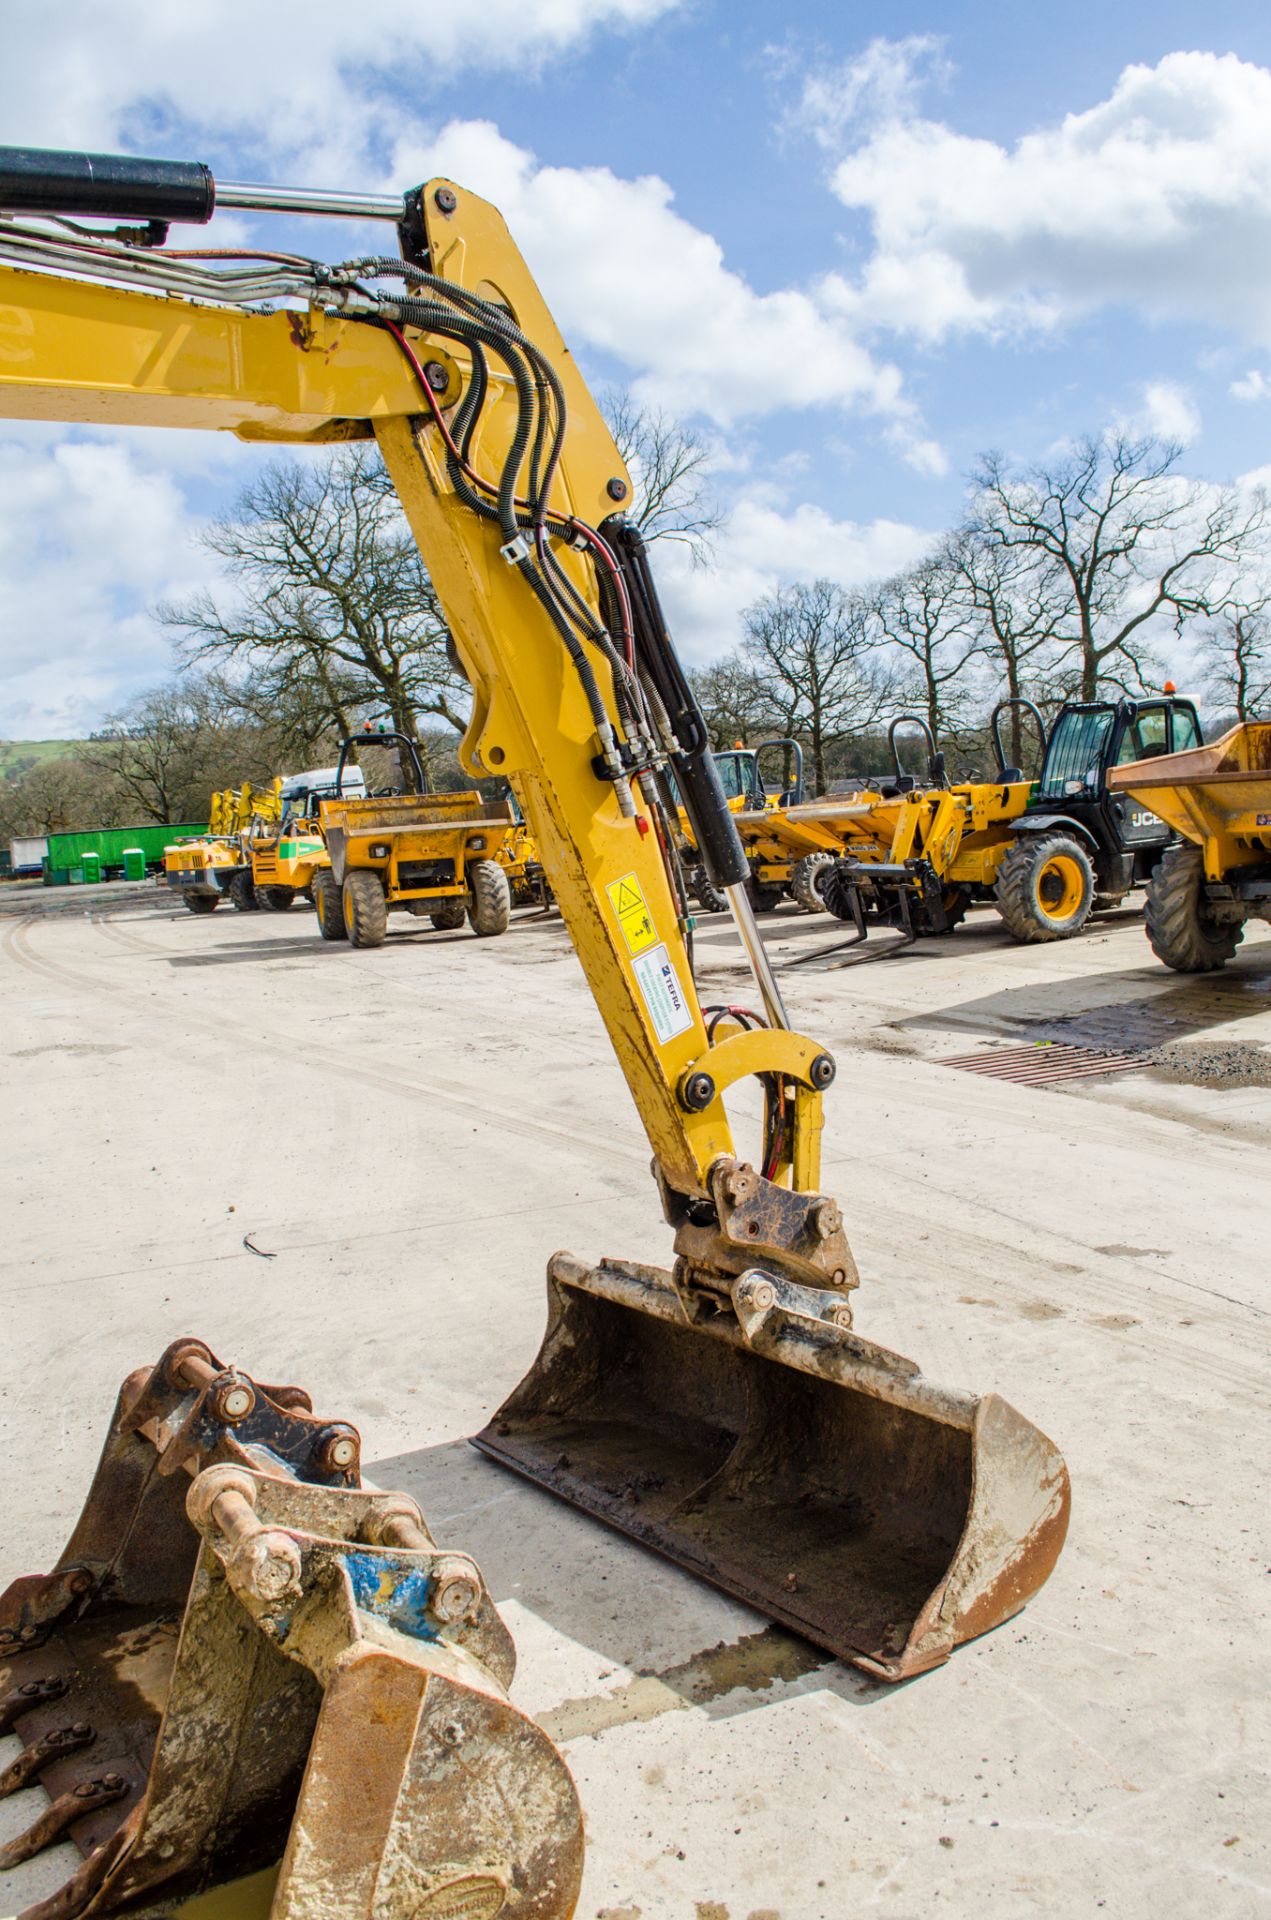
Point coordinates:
[[757, 954]]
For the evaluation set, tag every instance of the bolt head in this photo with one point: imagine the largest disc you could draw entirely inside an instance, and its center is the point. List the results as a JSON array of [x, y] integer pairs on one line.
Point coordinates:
[[236, 1402], [436, 376], [455, 1599], [616, 489], [827, 1219], [445, 199], [340, 1452]]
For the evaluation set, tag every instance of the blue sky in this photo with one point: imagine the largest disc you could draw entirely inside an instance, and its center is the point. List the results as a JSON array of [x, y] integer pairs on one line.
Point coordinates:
[[855, 244]]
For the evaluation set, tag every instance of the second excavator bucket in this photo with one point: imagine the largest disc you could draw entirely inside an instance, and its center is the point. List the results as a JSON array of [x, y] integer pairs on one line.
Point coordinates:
[[769, 1449], [246, 1658]]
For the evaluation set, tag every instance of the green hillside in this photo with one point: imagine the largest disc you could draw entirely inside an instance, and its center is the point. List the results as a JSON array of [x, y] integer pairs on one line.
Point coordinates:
[[17, 755]]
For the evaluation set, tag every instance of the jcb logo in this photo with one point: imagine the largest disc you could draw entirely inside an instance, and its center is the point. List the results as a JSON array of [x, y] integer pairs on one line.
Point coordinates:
[[1142, 819]]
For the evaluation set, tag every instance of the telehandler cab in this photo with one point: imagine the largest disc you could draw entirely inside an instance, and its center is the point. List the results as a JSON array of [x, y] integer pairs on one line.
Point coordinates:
[[337, 1680]]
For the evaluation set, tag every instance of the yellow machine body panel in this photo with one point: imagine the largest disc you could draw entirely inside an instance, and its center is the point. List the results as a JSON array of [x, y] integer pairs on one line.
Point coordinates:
[[419, 844], [1218, 797]]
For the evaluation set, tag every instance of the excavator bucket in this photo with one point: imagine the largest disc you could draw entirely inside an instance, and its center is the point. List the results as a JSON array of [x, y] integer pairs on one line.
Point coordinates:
[[241, 1644], [770, 1450]]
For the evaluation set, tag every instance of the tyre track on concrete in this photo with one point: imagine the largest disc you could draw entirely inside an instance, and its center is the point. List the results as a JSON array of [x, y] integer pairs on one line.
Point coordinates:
[[989, 1267], [979, 1260], [324, 1059]]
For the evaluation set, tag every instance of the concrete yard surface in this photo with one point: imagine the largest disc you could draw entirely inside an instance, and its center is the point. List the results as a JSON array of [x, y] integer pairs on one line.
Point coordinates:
[[411, 1132]]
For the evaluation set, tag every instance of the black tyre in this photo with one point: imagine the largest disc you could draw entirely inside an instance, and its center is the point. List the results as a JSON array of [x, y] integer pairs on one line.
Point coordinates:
[[449, 916], [954, 906], [710, 898], [328, 905], [365, 909], [489, 898], [276, 899], [807, 880], [1045, 887], [202, 902], [836, 891], [243, 894], [764, 898], [1182, 932]]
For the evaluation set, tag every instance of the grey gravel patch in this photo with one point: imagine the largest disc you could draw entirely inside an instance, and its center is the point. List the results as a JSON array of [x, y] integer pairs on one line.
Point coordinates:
[[1236, 1064]]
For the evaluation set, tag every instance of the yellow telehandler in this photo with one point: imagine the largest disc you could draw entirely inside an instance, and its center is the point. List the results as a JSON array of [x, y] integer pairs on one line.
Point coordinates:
[[725, 1410]]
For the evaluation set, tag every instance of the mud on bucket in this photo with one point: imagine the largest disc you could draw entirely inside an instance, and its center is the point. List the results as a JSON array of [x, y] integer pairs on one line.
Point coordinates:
[[805, 1471]]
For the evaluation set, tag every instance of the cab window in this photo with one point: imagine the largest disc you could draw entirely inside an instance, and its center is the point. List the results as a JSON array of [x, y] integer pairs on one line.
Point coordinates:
[[1145, 736], [1186, 732]]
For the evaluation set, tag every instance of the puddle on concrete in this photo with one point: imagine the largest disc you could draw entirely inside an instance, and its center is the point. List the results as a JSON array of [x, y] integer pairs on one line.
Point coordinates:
[[752, 1664], [77, 1048]]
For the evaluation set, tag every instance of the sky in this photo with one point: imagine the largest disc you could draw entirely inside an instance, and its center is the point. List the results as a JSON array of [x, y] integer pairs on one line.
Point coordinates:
[[854, 245]]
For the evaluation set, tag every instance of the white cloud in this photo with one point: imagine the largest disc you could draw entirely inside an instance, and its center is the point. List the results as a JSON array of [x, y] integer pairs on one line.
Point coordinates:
[[1253, 385], [763, 546], [883, 83], [289, 78], [1168, 412], [1158, 196], [91, 532], [628, 275]]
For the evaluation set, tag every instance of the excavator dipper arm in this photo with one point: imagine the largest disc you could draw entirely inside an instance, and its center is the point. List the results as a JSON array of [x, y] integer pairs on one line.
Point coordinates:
[[724, 1411]]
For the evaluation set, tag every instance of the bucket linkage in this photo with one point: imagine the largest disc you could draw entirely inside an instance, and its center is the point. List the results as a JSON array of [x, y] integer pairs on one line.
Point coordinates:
[[240, 1642]]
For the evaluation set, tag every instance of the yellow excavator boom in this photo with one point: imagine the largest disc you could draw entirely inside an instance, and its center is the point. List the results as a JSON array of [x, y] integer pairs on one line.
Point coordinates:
[[724, 1411]]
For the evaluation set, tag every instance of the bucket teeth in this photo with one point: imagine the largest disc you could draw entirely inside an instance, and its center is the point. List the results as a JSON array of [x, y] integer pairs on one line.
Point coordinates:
[[31, 1763], [64, 1812], [23, 1699]]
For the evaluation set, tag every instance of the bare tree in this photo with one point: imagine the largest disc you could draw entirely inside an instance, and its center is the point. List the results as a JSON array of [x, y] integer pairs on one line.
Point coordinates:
[[1019, 602], [171, 748], [332, 597], [932, 626], [1132, 544], [64, 795], [815, 650], [736, 702], [669, 465], [1235, 656]]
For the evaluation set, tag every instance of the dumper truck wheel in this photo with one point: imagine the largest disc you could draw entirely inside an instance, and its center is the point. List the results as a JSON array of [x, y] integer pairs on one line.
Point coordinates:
[[489, 897], [1182, 932], [763, 898], [328, 906], [365, 909], [276, 899], [202, 902], [807, 880], [243, 894], [1045, 888], [709, 897], [449, 915]]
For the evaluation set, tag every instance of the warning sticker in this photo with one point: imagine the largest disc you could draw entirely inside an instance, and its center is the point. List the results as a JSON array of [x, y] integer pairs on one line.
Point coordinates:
[[627, 900], [663, 995]]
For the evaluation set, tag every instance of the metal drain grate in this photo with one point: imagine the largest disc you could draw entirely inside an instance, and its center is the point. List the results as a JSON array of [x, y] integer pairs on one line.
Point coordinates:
[[1044, 1063]]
